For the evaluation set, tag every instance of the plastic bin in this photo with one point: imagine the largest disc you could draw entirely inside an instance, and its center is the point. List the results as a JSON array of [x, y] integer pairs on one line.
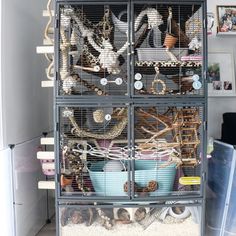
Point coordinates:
[[221, 200], [112, 183], [159, 54]]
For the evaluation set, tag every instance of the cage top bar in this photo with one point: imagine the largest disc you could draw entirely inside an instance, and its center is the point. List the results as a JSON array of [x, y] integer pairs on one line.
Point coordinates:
[[134, 1]]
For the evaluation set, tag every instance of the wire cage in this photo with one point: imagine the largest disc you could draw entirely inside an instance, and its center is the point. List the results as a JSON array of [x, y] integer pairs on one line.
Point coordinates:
[[105, 151], [93, 53], [92, 162], [129, 220], [138, 50], [168, 50], [172, 135], [130, 112]]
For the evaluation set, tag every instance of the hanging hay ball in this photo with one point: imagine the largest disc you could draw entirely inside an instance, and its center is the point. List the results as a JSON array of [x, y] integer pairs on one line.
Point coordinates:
[[99, 116], [113, 166], [69, 84]]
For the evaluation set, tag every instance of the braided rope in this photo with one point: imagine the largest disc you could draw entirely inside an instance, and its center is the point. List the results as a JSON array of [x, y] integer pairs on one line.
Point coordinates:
[[49, 73], [64, 52], [86, 32], [91, 87], [114, 132], [122, 50], [49, 22]]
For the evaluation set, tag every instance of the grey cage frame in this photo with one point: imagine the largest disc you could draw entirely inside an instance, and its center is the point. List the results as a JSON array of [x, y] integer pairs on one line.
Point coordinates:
[[131, 101]]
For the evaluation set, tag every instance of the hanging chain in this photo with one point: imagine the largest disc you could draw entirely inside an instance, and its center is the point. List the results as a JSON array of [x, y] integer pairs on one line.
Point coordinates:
[[169, 19], [102, 28], [89, 57], [193, 30], [106, 24]]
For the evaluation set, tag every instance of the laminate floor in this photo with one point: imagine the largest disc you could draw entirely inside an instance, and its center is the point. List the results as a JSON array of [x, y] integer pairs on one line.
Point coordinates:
[[48, 230]]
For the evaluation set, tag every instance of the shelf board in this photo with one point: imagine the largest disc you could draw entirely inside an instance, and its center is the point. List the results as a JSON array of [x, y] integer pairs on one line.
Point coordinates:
[[47, 83], [46, 185], [47, 141], [46, 13], [166, 67], [47, 42], [226, 33], [45, 49], [45, 155], [167, 64], [48, 166]]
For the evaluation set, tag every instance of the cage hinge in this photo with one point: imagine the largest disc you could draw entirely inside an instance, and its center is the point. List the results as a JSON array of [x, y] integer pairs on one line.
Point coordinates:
[[17, 204], [57, 126], [205, 125], [204, 177], [58, 178], [131, 113], [56, 25], [56, 75], [130, 157], [205, 75]]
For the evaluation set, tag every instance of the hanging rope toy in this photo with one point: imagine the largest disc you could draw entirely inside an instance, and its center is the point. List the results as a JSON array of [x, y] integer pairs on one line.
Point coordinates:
[[157, 81], [108, 58], [170, 39]]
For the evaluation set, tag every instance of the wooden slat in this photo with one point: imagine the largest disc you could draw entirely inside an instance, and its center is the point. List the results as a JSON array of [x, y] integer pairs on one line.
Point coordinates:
[[46, 13], [47, 141], [47, 42], [46, 185], [190, 180], [45, 155], [44, 49], [51, 72], [51, 30], [48, 166], [47, 83], [225, 33]]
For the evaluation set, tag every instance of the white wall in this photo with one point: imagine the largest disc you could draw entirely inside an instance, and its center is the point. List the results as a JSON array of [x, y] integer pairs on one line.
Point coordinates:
[[24, 113], [25, 103], [6, 197], [219, 105], [1, 129]]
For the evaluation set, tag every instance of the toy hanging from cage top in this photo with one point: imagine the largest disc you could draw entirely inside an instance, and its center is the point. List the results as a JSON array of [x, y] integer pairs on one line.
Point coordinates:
[[157, 81], [154, 21], [193, 28], [108, 57], [50, 41], [115, 131], [170, 39]]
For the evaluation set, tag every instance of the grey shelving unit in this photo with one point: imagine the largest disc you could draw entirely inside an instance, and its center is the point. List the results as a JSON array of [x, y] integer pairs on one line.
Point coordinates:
[[130, 114]]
